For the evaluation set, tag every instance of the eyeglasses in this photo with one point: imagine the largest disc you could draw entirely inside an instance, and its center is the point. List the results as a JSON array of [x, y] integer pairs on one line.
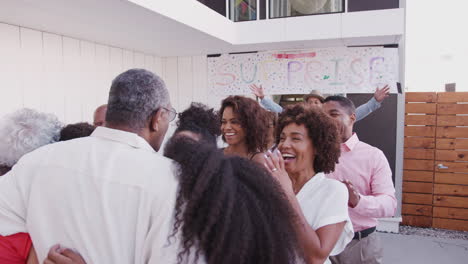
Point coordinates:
[[171, 113]]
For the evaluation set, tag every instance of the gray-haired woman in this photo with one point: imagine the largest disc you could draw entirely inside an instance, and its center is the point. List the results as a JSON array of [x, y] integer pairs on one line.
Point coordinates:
[[20, 133]]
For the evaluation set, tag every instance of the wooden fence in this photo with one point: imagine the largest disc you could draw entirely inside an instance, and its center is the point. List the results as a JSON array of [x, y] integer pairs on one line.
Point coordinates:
[[435, 177]]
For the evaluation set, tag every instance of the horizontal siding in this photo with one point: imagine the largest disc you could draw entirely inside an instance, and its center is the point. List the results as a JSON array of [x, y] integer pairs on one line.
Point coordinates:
[[61, 75]]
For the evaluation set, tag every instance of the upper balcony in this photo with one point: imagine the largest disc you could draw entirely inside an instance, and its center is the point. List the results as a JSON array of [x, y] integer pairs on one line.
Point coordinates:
[[247, 10], [188, 27]]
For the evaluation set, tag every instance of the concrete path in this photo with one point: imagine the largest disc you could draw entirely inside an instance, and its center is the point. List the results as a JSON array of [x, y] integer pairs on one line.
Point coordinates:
[[412, 249]]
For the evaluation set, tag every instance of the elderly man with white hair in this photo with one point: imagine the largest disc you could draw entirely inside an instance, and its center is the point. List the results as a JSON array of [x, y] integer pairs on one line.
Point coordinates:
[[110, 196], [24, 131]]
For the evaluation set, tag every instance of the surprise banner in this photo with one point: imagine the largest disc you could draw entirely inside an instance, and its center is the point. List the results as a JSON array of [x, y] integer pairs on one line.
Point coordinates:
[[331, 71]]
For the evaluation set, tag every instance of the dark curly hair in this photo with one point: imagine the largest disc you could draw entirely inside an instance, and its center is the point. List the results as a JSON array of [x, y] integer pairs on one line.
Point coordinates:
[[253, 118], [322, 130], [228, 209], [200, 119], [77, 130]]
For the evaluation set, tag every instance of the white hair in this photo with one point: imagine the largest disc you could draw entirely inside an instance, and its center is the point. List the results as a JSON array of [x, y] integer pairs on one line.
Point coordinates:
[[24, 131]]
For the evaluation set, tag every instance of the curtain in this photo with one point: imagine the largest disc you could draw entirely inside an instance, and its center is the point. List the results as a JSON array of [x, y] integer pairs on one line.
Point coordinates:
[[279, 8]]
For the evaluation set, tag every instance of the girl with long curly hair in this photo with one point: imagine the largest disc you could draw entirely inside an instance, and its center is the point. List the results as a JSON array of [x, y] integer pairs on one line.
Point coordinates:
[[244, 127], [229, 210]]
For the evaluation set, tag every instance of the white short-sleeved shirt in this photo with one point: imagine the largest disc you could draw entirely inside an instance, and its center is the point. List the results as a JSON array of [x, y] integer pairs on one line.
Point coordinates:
[[324, 202], [109, 196]]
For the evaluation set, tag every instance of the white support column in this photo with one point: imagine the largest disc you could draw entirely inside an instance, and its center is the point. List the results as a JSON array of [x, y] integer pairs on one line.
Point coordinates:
[[227, 9], [392, 224], [257, 10], [267, 9], [401, 117]]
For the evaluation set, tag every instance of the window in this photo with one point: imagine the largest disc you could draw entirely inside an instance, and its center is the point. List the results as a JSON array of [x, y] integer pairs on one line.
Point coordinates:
[[243, 10], [288, 8]]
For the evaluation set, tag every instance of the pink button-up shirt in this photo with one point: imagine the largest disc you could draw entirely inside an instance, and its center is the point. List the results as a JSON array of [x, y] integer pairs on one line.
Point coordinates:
[[367, 168]]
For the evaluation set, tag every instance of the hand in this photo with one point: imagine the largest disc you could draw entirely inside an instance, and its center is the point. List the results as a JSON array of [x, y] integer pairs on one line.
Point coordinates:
[[274, 163], [257, 90], [354, 196], [381, 94], [59, 255]]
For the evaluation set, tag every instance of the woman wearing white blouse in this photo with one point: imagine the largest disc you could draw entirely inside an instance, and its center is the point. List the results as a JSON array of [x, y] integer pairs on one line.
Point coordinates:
[[309, 146]]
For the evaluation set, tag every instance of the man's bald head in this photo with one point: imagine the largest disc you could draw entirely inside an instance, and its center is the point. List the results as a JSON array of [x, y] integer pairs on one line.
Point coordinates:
[[100, 115]]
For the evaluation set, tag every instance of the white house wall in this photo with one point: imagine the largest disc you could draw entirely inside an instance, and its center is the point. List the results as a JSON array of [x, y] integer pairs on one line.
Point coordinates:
[[65, 76], [186, 79], [71, 77]]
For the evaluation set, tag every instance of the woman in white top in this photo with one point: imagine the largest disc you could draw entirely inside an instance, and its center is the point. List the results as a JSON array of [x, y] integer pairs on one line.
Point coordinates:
[[309, 147]]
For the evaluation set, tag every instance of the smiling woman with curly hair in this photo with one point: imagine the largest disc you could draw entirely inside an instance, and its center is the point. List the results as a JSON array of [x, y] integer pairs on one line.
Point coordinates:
[[309, 147], [244, 127]]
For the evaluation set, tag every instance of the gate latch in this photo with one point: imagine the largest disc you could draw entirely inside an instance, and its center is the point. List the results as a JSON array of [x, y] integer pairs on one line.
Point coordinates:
[[441, 166]]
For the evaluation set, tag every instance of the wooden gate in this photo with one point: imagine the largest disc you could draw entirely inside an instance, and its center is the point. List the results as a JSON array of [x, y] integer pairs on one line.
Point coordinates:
[[435, 177]]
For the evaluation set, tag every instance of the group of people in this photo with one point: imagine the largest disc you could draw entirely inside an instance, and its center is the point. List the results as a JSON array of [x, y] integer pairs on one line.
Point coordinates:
[[292, 185]]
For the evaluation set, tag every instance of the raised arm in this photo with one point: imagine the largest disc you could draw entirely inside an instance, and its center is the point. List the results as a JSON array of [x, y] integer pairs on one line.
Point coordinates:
[[373, 104], [267, 103]]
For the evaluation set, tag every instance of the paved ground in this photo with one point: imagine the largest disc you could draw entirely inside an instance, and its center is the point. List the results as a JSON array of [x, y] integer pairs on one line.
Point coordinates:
[[415, 249]]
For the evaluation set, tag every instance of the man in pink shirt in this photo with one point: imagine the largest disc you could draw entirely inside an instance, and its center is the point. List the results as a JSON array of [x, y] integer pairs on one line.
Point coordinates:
[[365, 171]]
